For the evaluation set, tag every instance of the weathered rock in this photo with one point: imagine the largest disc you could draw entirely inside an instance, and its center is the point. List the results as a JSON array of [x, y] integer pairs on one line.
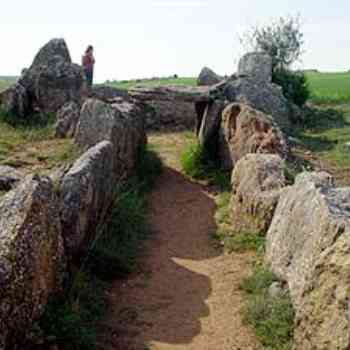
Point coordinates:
[[210, 124], [308, 246], [257, 65], [171, 107], [257, 181], [32, 258], [9, 178], [67, 120], [208, 77], [245, 130], [50, 82], [121, 124], [86, 193], [266, 97], [15, 100], [107, 93]]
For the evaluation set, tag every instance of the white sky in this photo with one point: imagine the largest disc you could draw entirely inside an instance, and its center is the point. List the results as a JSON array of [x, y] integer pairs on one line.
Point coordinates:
[[144, 38]]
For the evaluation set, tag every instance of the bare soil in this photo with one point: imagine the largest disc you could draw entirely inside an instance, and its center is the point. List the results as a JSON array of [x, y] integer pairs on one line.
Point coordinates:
[[187, 295]]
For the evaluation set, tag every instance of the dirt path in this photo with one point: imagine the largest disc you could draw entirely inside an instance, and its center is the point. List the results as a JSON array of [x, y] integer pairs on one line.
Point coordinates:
[[187, 296]]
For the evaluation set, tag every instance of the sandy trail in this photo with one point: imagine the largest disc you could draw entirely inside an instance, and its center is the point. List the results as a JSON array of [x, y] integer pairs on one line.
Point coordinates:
[[187, 295]]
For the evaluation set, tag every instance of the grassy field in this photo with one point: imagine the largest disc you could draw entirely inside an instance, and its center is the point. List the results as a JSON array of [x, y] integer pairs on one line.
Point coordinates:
[[5, 82], [329, 87]]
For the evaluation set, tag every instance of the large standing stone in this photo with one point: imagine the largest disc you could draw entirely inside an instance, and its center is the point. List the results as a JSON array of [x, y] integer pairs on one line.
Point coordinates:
[[257, 65], [32, 258], [308, 246], [257, 180], [86, 193], [208, 77], [122, 124], [50, 82], [67, 120], [245, 130]]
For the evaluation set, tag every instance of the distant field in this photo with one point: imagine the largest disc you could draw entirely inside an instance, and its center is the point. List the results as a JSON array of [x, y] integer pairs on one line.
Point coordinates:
[[127, 84], [329, 87], [5, 82]]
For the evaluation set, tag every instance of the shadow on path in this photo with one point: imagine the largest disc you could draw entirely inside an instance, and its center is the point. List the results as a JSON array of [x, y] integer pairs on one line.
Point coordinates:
[[166, 301]]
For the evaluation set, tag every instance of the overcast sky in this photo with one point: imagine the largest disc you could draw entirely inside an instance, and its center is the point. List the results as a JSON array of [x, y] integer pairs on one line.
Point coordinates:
[[144, 38]]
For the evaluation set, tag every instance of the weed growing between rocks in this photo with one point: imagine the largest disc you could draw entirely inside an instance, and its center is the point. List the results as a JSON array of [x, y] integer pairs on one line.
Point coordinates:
[[270, 314], [71, 322], [198, 164]]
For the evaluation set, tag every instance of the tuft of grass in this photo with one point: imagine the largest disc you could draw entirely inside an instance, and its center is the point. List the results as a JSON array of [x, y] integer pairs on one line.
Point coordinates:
[[242, 242], [272, 317], [197, 163], [70, 322]]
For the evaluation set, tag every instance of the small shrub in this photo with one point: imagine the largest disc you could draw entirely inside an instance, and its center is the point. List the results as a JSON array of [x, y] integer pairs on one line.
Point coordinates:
[[294, 85], [197, 163], [271, 317], [193, 160]]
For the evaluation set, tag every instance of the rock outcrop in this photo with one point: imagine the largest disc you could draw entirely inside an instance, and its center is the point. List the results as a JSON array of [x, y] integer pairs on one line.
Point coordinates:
[[122, 124], [308, 246], [257, 181], [32, 258], [208, 77], [86, 193], [67, 120], [245, 130], [50, 82], [9, 178]]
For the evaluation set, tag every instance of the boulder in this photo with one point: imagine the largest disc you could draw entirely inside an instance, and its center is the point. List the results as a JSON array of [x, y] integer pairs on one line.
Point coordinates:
[[245, 130], [32, 257], [121, 124], [67, 120], [210, 124], [9, 178], [208, 77], [308, 246], [261, 95], [256, 65], [257, 182], [15, 100], [50, 82], [86, 193]]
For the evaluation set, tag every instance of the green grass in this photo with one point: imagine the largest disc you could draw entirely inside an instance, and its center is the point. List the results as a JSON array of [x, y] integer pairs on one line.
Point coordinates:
[[196, 163], [272, 317], [326, 134], [329, 88], [127, 84]]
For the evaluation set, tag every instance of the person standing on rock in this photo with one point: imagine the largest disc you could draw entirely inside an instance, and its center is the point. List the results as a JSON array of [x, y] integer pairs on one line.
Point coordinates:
[[88, 63]]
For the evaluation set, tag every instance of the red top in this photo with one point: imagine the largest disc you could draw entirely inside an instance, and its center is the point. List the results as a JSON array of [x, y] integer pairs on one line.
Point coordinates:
[[88, 61]]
